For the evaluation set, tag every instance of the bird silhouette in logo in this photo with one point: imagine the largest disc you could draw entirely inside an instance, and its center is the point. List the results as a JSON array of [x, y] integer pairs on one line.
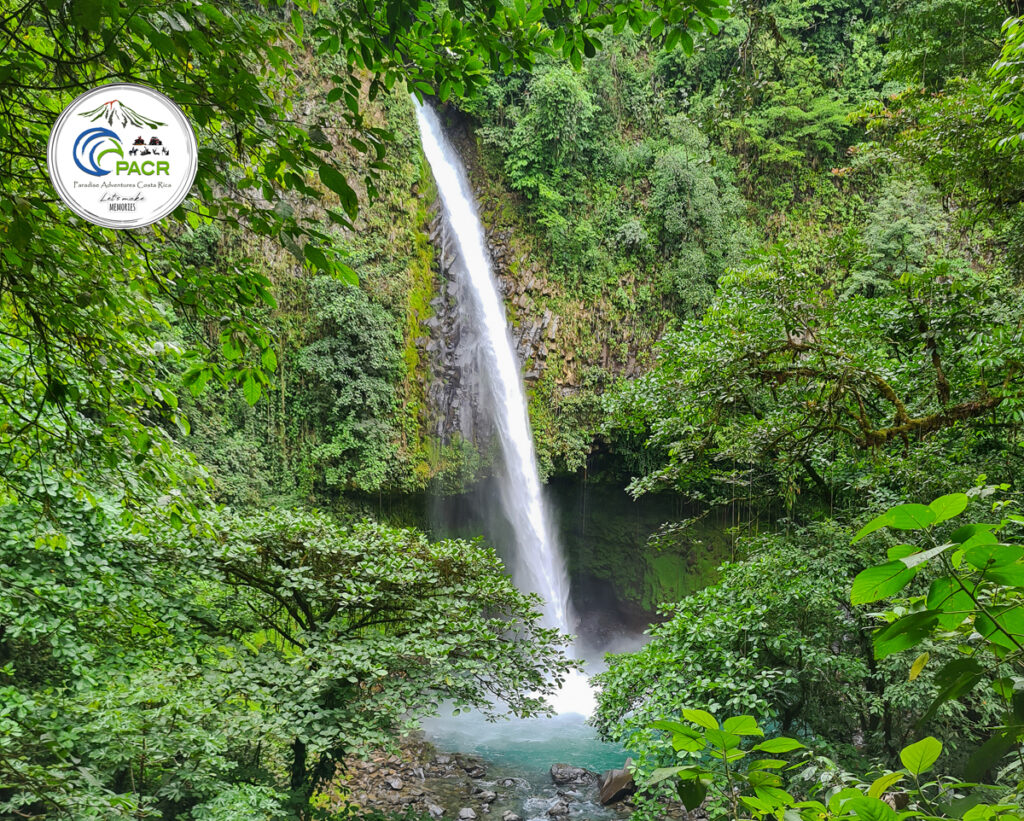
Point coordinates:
[[88, 143]]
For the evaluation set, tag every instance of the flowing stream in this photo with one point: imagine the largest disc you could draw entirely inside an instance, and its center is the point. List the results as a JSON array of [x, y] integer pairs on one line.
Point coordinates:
[[538, 565]]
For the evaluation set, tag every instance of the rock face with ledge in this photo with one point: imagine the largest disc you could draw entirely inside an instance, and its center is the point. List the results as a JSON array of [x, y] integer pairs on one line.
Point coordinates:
[[615, 785]]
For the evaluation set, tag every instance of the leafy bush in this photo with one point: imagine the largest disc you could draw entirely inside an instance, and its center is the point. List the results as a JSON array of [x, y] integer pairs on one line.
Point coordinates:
[[349, 392], [554, 138], [734, 784], [974, 603], [773, 637]]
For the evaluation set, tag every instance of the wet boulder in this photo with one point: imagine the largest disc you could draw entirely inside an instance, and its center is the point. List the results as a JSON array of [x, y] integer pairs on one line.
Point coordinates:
[[568, 774], [473, 767]]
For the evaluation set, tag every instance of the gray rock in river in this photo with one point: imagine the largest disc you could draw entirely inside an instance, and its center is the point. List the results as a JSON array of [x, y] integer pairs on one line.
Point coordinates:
[[508, 815], [559, 809], [435, 811], [487, 796], [568, 774], [467, 814], [614, 785]]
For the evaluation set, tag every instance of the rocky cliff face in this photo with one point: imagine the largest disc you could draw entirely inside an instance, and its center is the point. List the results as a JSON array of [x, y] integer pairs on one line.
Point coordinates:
[[451, 348]]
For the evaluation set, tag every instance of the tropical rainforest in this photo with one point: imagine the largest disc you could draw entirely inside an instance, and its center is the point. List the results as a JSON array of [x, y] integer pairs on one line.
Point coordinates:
[[763, 261]]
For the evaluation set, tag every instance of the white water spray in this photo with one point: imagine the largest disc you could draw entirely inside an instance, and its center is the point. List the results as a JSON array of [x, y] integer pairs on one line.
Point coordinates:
[[539, 566]]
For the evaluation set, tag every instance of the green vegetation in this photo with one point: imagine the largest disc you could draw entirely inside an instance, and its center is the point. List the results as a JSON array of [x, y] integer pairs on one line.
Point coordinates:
[[161, 656], [776, 250], [226, 667], [964, 612]]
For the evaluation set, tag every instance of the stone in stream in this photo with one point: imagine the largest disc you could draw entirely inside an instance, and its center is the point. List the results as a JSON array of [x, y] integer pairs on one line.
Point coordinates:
[[475, 771], [568, 774], [559, 809], [614, 785], [487, 796], [435, 811], [467, 814], [508, 815]]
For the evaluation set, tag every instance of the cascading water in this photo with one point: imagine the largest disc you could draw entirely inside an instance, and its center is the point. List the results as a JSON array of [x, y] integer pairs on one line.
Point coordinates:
[[538, 565]]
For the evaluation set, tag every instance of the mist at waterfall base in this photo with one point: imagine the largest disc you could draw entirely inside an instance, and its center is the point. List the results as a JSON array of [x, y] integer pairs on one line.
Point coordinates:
[[527, 746]]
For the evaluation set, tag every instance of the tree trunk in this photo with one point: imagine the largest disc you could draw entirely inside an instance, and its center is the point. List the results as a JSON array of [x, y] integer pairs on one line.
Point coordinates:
[[300, 788]]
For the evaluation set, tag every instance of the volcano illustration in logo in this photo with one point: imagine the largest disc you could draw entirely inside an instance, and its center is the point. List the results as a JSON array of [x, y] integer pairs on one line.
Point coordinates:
[[89, 142], [117, 113]]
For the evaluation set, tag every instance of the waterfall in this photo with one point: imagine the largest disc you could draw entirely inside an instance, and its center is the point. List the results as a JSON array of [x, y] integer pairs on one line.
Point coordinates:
[[538, 563]]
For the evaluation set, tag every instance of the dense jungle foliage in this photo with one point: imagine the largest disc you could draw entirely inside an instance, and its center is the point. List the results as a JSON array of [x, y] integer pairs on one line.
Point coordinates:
[[784, 244]]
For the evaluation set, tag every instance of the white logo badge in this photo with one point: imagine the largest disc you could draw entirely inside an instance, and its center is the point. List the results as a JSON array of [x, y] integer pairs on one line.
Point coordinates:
[[122, 156]]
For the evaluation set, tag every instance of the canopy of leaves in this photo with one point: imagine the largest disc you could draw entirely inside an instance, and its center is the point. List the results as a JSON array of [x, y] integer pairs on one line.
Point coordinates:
[[1008, 74], [794, 371], [154, 671]]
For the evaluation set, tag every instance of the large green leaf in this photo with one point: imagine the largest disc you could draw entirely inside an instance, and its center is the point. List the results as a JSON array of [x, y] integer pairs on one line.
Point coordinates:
[[756, 804], [1003, 625], [948, 506], [742, 725], [880, 582], [774, 796], [692, 793], [884, 782], [883, 520], [866, 808], [901, 517], [763, 778], [782, 744], [901, 551], [965, 532], [951, 600], [920, 756], [904, 633], [671, 726], [701, 718], [723, 741], [912, 517], [1011, 575], [956, 678], [992, 555]]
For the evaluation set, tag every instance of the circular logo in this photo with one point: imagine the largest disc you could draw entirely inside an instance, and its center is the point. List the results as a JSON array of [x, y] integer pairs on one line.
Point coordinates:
[[122, 156]]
